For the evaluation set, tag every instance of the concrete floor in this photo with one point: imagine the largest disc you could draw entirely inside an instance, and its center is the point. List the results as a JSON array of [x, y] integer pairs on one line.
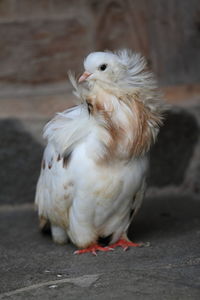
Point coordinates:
[[33, 267]]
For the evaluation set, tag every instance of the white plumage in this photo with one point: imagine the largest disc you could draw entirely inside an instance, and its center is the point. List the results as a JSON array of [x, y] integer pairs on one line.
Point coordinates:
[[93, 170]]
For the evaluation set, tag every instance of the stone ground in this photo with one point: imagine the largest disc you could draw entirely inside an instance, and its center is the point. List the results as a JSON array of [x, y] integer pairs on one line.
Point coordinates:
[[33, 267]]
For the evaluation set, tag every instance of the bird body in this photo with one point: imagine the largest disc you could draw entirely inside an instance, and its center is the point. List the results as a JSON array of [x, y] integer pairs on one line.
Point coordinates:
[[93, 171]]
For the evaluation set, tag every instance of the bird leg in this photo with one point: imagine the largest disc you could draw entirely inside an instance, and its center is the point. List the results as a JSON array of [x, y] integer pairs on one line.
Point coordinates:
[[92, 249]]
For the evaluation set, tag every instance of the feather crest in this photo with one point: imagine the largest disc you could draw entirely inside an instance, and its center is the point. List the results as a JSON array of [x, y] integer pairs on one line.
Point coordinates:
[[135, 74]]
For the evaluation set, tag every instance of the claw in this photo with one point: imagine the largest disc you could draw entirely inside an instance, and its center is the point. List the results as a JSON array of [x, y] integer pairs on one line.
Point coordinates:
[[111, 249], [125, 248], [147, 244]]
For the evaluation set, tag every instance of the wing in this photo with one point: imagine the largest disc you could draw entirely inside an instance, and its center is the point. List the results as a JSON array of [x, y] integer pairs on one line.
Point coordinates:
[[68, 128], [54, 192]]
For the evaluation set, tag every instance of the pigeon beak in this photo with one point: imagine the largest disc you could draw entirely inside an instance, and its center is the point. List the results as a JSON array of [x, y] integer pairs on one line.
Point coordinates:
[[84, 76]]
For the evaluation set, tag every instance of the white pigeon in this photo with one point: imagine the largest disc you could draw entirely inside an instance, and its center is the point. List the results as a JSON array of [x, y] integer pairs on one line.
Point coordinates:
[[93, 170]]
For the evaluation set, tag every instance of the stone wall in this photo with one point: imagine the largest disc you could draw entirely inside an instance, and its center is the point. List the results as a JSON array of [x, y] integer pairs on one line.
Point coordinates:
[[41, 40]]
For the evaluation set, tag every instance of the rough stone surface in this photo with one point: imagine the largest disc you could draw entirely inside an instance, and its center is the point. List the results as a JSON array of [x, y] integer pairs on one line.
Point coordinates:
[[35, 107], [41, 41], [169, 267], [47, 50]]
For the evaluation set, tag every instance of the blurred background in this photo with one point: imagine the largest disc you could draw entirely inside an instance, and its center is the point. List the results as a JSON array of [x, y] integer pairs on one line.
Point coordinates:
[[41, 40]]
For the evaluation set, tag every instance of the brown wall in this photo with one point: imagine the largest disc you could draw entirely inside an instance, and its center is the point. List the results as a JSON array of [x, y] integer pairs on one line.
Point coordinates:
[[40, 39]]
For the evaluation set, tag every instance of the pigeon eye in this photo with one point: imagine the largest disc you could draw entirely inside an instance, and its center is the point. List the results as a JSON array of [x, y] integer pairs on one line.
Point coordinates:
[[103, 67]]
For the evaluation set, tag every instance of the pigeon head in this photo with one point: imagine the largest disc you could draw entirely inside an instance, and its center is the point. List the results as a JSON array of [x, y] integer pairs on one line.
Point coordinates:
[[122, 69], [101, 66]]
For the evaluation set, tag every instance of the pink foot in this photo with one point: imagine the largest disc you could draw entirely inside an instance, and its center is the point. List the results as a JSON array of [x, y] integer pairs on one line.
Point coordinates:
[[125, 244], [92, 249]]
